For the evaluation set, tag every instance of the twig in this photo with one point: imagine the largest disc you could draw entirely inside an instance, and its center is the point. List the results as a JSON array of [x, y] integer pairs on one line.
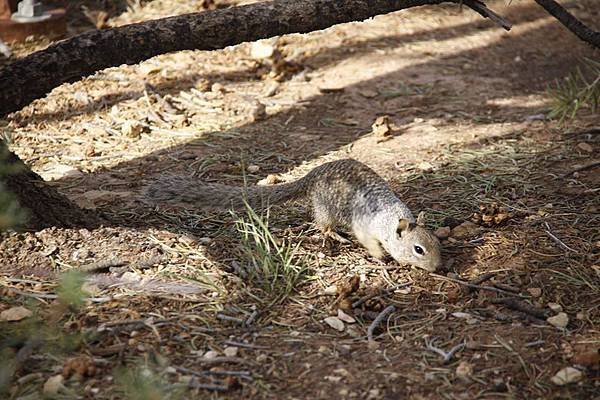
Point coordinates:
[[482, 278], [194, 384], [382, 293], [506, 287], [245, 345], [570, 22], [557, 240], [467, 284], [223, 360], [382, 315], [590, 165], [225, 317], [251, 318], [535, 343], [523, 307], [447, 356], [243, 374], [485, 12]]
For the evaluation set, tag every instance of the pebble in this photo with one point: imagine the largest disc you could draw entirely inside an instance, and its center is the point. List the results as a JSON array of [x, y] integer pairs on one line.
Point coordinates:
[[560, 320], [555, 307]]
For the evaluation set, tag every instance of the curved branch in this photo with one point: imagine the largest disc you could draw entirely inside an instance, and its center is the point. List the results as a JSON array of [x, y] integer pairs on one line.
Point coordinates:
[[67, 61], [570, 22]]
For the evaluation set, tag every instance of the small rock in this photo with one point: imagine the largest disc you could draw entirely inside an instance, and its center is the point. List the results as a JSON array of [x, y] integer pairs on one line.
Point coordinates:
[[535, 292], [560, 320], [465, 229], [258, 111], [132, 128], [217, 88], [230, 351], [209, 355], [464, 369], [459, 314], [253, 168], [345, 317], [585, 147], [443, 232], [567, 375], [330, 290], [15, 314], [557, 308], [262, 49], [53, 385], [335, 323]]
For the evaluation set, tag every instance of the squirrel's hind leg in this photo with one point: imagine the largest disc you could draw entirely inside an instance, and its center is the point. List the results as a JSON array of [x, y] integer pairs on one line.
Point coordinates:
[[325, 222]]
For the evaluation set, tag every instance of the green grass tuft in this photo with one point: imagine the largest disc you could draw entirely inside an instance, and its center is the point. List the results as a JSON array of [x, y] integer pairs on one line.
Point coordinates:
[[576, 92], [272, 263]]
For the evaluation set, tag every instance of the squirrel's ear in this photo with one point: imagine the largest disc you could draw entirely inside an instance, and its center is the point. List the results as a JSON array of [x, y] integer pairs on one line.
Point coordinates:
[[421, 218], [404, 225]]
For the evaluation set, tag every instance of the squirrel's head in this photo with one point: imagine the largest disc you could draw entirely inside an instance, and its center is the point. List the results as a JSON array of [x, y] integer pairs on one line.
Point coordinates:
[[413, 244]]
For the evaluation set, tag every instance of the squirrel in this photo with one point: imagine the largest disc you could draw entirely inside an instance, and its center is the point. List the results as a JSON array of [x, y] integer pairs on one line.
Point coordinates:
[[344, 193]]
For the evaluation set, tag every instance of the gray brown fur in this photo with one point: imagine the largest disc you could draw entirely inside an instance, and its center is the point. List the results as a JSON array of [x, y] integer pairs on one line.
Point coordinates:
[[345, 194]]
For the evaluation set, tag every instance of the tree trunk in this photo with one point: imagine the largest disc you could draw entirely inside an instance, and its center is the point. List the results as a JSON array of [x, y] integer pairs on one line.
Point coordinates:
[[67, 61], [44, 205]]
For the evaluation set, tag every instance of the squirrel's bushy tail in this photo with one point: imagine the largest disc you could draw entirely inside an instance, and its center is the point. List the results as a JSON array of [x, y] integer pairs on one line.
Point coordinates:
[[169, 189]]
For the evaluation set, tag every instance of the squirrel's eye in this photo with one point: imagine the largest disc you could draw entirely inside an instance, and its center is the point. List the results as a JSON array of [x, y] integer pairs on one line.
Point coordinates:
[[419, 250]]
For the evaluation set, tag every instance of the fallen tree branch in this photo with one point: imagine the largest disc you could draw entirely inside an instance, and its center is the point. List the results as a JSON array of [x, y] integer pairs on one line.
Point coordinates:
[[34, 76], [570, 22]]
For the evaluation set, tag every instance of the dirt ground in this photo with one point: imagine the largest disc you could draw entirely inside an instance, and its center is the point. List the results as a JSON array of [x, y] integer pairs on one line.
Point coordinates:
[[466, 103]]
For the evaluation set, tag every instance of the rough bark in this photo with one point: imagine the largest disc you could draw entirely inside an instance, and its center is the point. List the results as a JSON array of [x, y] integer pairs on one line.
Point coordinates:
[[571, 23], [37, 74], [44, 205]]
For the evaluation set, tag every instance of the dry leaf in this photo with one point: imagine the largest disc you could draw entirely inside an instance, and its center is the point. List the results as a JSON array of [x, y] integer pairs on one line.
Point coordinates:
[[381, 127], [15, 314], [53, 385], [335, 323], [567, 375]]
